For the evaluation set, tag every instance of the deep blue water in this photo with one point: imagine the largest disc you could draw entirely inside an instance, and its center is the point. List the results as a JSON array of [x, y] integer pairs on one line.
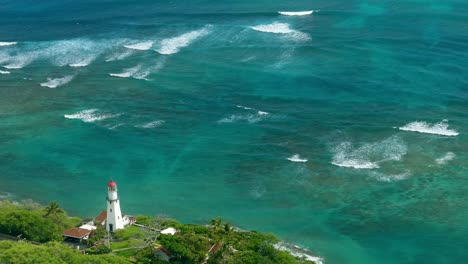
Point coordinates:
[[342, 131]]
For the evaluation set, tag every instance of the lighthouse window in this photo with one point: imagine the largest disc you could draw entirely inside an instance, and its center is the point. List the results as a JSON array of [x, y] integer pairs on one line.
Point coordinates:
[[111, 210]]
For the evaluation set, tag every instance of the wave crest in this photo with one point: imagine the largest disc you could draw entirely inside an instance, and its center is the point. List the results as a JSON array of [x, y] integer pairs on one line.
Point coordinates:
[[426, 128], [298, 13], [151, 124], [90, 115], [296, 158], [390, 177], [446, 158], [145, 45], [53, 83], [173, 45], [298, 252], [2, 43], [282, 28], [127, 72], [369, 155]]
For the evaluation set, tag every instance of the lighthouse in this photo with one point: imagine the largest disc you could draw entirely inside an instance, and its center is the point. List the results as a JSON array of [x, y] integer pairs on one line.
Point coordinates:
[[114, 220]]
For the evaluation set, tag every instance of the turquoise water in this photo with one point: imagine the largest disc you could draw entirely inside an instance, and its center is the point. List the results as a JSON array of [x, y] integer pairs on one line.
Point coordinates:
[[342, 131]]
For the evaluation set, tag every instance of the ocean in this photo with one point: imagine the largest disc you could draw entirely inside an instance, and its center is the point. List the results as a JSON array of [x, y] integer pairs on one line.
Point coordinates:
[[341, 127]]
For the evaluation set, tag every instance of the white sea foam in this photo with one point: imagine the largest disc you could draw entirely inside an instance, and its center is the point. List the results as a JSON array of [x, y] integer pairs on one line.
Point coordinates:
[[423, 127], [127, 72], [2, 44], [77, 52], [53, 83], [4, 72], [152, 124], [369, 155], [446, 158], [390, 177], [119, 55], [112, 127], [233, 118], [299, 13], [142, 74], [276, 28], [19, 61], [145, 45], [173, 45], [296, 158], [245, 107], [282, 28], [251, 118], [90, 115], [82, 63], [298, 252]]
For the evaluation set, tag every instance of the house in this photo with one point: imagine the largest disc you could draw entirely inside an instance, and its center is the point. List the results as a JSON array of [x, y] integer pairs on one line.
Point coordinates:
[[169, 231], [163, 254], [112, 218], [76, 233]]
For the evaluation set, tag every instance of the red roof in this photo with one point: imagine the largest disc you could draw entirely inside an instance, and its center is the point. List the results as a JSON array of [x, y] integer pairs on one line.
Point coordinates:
[[216, 247], [76, 232], [102, 216], [164, 250], [112, 184]]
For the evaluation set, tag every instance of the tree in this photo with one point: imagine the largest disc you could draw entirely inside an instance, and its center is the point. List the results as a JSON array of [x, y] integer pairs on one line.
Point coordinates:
[[216, 223], [227, 228], [53, 209]]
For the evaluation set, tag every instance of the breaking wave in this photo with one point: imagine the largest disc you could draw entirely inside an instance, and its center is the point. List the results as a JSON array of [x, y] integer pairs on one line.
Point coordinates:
[[173, 45], [389, 177], [299, 13], [4, 72], [369, 155], [251, 117], [139, 72], [152, 124], [296, 158], [276, 28], [90, 115], [423, 127], [5, 195], [2, 44], [446, 158], [245, 107], [53, 83], [298, 252], [281, 28], [127, 72], [19, 61], [77, 52], [119, 55], [82, 63], [146, 45]]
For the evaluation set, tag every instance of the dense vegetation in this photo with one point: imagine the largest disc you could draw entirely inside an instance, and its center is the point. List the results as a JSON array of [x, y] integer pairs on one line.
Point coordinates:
[[51, 252], [193, 242], [33, 222], [217, 242]]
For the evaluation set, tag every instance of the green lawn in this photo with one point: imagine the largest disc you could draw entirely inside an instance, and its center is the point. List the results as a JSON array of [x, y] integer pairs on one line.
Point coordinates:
[[129, 232], [126, 244]]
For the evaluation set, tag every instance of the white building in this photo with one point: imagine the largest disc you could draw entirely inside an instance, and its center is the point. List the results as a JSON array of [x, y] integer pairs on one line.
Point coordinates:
[[169, 231], [113, 218]]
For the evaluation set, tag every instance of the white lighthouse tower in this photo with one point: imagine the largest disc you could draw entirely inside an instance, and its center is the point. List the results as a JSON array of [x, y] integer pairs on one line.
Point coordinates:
[[114, 219]]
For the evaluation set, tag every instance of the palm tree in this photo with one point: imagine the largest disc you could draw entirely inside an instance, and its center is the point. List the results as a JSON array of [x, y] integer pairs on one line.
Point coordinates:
[[227, 228], [216, 223], [53, 209]]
